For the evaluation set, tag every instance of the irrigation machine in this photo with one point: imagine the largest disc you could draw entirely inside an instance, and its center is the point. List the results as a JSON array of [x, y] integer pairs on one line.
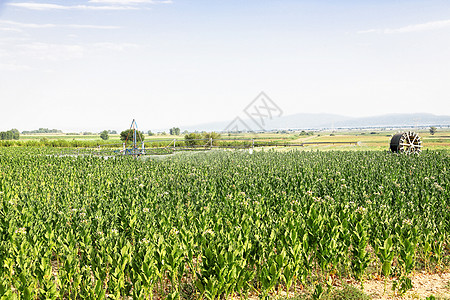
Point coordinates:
[[406, 142]]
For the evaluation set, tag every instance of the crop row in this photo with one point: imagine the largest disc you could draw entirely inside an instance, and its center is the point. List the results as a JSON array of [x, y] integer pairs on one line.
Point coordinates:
[[210, 225]]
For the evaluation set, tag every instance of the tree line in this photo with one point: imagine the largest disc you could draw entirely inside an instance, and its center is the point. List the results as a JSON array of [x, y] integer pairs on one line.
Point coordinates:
[[127, 135], [42, 130], [12, 134]]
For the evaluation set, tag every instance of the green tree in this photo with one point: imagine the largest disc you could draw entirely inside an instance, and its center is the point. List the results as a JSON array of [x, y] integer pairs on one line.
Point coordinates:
[[150, 133], [127, 135], [433, 130], [104, 135], [12, 134], [211, 135], [174, 131], [192, 139], [15, 134], [42, 130]]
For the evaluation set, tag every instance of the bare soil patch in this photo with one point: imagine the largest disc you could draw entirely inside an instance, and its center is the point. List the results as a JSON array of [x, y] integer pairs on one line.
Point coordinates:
[[424, 285]]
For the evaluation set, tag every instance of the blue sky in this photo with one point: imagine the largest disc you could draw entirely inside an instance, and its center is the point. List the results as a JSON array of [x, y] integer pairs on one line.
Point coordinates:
[[97, 64]]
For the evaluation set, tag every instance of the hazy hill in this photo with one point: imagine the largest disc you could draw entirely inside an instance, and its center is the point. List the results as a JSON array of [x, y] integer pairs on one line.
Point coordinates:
[[419, 119], [321, 121]]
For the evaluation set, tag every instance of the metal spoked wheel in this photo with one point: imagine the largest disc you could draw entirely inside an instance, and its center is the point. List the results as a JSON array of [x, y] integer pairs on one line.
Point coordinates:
[[406, 142]]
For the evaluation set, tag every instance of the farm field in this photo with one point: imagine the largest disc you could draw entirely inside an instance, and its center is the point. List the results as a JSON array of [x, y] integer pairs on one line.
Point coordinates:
[[357, 140], [380, 140], [218, 224]]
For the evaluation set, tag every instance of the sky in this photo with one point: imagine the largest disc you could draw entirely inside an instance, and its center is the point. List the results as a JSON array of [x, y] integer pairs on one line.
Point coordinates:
[[91, 65]]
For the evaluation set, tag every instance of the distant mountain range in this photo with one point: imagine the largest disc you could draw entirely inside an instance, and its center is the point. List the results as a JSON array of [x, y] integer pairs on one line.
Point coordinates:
[[324, 121]]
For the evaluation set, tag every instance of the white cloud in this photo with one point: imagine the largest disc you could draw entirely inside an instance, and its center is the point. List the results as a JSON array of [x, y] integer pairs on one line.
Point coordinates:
[[51, 52], [81, 26], [9, 29], [119, 47], [104, 5], [130, 2], [48, 6], [14, 67], [411, 28], [15, 26], [369, 31], [13, 40], [33, 52]]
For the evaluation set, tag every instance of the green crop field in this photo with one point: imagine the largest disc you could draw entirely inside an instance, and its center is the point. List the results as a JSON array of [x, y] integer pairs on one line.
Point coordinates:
[[218, 224]]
